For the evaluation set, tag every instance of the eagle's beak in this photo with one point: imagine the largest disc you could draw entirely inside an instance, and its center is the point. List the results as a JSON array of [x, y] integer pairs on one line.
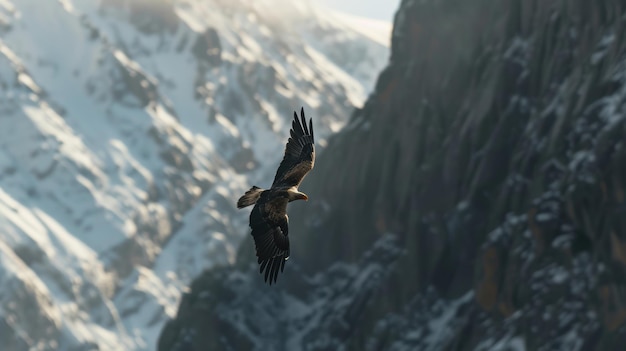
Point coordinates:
[[304, 197]]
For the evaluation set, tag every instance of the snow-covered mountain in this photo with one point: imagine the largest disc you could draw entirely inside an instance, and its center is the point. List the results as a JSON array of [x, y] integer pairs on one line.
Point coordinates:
[[128, 128]]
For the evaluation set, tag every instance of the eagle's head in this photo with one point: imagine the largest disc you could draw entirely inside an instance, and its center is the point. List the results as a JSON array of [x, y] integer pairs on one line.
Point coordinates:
[[296, 195]]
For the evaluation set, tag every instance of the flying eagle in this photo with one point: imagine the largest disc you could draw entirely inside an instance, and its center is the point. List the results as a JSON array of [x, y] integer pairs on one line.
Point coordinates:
[[268, 219]]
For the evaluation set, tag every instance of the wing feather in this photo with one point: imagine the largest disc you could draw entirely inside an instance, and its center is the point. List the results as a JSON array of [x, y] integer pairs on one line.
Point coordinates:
[[306, 130], [270, 230], [299, 155]]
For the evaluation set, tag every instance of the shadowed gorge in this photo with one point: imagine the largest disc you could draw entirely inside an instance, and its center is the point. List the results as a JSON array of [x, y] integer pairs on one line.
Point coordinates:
[[476, 201]]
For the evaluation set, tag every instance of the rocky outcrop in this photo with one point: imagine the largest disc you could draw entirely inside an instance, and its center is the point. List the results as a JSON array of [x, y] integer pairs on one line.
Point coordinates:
[[148, 16], [207, 48], [320, 310]]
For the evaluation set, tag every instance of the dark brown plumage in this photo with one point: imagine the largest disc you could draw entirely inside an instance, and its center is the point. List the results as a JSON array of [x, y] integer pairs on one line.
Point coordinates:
[[268, 219]]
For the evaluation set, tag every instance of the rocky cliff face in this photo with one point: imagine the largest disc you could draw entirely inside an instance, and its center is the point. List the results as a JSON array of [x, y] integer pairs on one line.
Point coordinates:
[[493, 150]]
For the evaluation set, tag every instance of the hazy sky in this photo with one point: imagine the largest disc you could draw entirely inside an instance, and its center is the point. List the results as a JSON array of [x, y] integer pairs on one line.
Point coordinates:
[[378, 9]]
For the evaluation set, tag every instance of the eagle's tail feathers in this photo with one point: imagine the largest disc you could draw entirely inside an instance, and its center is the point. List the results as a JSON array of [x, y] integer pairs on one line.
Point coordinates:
[[250, 197]]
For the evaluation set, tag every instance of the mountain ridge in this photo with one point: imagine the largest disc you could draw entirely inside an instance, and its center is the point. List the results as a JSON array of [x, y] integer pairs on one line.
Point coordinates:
[[129, 128]]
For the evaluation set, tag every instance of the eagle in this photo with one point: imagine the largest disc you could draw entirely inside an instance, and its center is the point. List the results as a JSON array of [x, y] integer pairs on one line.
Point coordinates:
[[268, 220]]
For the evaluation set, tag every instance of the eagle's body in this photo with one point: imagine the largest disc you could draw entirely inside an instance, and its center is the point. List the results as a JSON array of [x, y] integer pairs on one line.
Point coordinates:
[[268, 219]]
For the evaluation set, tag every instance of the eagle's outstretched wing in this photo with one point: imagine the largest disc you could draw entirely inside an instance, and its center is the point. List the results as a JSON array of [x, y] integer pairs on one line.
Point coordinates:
[[270, 230], [299, 154]]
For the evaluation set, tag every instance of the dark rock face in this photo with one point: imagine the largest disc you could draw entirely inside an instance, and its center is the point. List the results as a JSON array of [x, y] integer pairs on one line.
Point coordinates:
[[494, 147], [207, 48], [148, 16], [228, 310]]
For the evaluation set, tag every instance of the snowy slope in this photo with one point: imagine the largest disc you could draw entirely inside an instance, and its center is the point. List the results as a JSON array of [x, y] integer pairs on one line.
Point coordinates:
[[377, 30], [127, 131]]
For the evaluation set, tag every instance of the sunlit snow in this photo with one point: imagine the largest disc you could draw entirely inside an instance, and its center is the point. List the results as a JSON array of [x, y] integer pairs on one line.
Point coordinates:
[[123, 148]]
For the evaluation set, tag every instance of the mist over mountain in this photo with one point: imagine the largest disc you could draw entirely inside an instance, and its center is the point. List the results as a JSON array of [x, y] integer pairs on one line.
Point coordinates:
[[128, 129], [475, 202]]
